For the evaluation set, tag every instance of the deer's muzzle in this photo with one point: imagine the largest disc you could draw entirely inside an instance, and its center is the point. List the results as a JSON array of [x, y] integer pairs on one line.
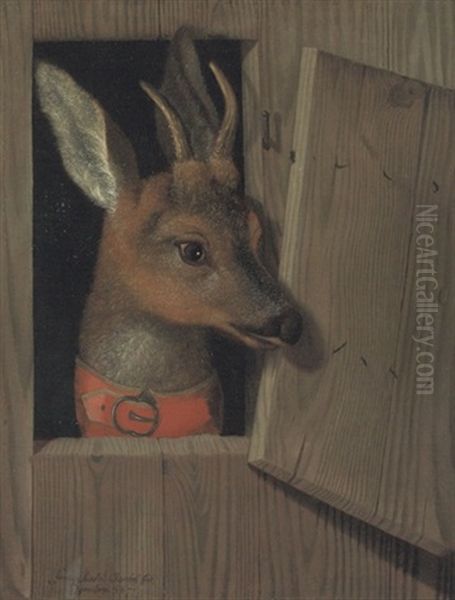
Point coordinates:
[[285, 328]]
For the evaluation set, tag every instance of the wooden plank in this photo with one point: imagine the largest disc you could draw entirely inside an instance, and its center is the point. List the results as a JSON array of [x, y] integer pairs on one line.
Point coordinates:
[[191, 514], [98, 519], [345, 257], [309, 550], [95, 20], [420, 493], [355, 30], [422, 40], [228, 18], [212, 526], [16, 345]]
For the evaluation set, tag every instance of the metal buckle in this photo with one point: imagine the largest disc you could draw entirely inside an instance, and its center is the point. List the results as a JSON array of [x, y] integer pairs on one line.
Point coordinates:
[[145, 397]]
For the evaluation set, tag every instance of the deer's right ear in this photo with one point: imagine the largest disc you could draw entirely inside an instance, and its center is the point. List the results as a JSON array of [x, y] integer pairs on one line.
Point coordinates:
[[95, 152]]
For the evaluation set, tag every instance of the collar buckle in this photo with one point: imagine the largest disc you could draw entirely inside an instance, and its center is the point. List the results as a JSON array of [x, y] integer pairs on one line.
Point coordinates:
[[137, 416]]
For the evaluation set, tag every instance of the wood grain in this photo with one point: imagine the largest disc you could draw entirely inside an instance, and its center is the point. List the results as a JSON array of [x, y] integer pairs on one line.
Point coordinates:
[[421, 40], [229, 18], [355, 30], [212, 526], [98, 520], [16, 340], [95, 20], [415, 38], [361, 137], [191, 513], [309, 550], [420, 494]]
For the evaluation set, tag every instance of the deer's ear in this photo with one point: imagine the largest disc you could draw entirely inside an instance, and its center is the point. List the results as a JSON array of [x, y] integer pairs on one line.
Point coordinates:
[[96, 154]]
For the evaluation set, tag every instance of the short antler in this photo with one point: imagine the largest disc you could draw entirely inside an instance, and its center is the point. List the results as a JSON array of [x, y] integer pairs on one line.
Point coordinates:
[[182, 149], [224, 141]]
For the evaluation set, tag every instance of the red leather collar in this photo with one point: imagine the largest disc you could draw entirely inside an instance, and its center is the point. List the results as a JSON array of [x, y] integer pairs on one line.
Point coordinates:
[[105, 408]]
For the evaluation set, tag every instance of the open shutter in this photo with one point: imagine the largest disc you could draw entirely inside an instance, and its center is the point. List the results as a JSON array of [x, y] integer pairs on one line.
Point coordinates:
[[362, 413]]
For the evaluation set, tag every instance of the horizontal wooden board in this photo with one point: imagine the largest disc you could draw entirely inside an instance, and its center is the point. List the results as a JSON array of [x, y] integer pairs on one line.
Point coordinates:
[[95, 20], [112, 514], [233, 19], [98, 520], [139, 19], [338, 417]]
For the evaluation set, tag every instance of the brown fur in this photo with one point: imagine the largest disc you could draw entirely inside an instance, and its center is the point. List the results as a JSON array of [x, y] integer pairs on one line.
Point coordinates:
[[156, 289], [195, 175]]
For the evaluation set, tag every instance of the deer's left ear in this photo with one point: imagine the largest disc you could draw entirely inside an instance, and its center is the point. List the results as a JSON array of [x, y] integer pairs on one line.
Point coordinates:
[[95, 152]]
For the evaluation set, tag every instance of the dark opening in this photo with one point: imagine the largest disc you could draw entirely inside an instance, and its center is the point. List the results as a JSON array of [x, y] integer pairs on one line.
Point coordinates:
[[67, 226]]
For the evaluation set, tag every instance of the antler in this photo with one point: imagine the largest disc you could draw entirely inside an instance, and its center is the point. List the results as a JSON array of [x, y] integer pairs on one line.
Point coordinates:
[[224, 141], [182, 149]]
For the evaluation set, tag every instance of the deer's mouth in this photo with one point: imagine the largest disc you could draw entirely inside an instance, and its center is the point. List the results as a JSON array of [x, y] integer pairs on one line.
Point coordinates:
[[281, 330], [254, 340]]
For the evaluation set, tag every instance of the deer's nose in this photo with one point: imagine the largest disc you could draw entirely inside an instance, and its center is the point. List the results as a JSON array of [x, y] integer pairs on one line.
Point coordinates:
[[291, 327], [287, 327]]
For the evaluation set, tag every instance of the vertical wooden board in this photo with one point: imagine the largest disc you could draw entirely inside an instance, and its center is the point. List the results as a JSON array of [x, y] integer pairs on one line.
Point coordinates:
[[422, 40], [211, 521], [98, 520], [229, 18], [309, 550], [358, 31], [355, 30], [418, 480], [16, 346], [345, 258], [95, 19]]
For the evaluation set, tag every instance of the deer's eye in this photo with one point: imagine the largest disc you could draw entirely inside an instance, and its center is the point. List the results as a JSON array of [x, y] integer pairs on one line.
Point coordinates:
[[193, 253]]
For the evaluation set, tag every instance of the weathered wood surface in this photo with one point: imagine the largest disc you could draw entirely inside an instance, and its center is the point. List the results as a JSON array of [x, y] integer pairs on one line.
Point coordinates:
[[95, 19], [98, 521], [139, 19], [415, 38], [211, 542], [233, 18], [193, 518], [370, 147], [16, 339], [418, 483]]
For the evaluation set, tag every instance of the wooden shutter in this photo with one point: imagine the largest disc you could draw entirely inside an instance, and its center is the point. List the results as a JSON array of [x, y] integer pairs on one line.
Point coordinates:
[[345, 416]]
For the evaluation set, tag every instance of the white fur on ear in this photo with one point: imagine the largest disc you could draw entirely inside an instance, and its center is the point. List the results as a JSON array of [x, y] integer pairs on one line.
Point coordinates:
[[96, 154]]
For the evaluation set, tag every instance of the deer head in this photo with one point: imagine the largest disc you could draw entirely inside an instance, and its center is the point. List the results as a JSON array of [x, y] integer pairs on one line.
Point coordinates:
[[183, 246]]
